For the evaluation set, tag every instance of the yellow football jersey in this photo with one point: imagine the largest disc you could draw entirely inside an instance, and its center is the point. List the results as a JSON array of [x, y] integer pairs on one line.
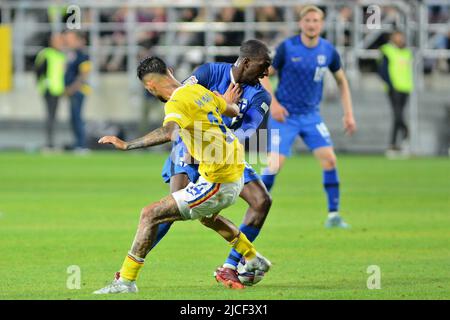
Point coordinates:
[[198, 113]]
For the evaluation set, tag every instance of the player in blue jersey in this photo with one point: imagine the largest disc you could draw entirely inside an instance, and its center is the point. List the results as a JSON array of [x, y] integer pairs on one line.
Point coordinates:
[[301, 62], [252, 65]]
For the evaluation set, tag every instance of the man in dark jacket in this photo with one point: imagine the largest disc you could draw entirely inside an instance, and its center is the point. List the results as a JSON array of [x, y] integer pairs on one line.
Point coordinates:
[[78, 68]]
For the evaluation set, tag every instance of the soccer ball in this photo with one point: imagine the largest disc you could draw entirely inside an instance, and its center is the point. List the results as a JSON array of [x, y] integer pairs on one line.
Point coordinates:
[[248, 278]]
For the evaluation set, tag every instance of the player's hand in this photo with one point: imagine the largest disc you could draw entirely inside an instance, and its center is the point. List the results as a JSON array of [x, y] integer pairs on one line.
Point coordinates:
[[233, 93], [278, 112], [116, 142], [349, 124]]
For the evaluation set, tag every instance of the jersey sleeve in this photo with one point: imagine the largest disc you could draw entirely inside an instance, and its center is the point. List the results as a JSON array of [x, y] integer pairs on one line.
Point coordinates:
[[202, 74], [335, 63], [261, 102], [250, 123], [254, 116], [278, 60], [85, 65], [175, 110]]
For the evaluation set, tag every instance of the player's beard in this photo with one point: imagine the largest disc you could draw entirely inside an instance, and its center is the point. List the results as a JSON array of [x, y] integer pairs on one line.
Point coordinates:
[[161, 99]]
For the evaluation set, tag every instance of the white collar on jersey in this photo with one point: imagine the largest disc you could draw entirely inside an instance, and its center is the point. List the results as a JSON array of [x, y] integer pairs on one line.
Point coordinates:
[[231, 76]]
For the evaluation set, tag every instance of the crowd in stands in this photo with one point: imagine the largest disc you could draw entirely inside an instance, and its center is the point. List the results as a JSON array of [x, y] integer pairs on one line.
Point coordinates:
[[114, 38]]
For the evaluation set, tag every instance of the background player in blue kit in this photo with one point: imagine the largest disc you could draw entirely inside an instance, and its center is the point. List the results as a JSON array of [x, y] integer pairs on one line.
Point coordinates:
[[253, 63], [301, 62]]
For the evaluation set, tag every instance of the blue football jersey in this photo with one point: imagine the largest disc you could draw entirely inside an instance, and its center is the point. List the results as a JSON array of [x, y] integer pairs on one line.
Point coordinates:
[[254, 101], [301, 71]]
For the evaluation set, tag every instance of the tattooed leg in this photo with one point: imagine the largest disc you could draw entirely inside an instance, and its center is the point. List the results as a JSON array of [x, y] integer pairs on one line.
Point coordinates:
[[163, 211], [177, 182]]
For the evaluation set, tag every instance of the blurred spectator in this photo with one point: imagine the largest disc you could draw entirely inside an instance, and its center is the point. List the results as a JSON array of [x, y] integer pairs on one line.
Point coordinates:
[[346, 16], [191, 38], [119, 39], [268, 14], [78, 68], [148, 39], [194, 56], [229, 38], [112, 42], [49, 66], [396, 70], [438, 14], [443, 43], [113, 59]]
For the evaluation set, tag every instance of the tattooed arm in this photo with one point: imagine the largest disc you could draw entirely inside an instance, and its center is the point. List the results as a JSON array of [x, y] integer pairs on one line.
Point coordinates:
[[156, 137]]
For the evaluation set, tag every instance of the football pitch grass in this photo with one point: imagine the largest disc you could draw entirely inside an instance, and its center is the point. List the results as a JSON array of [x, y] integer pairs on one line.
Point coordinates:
[[58, 211]]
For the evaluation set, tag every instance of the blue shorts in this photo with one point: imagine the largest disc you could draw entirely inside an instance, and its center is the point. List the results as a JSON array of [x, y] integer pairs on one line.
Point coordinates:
[[309, 127], [170, 169], [175, 165]]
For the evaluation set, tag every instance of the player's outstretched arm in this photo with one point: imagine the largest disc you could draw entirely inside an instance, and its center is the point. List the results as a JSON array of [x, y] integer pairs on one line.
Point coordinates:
[[158, 136]]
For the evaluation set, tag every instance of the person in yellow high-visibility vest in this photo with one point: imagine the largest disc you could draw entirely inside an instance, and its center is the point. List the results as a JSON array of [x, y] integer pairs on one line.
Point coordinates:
[[50, 66], [396, 70]]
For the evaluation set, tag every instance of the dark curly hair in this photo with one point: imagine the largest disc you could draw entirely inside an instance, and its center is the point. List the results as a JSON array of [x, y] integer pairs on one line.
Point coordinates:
[[151, 65]]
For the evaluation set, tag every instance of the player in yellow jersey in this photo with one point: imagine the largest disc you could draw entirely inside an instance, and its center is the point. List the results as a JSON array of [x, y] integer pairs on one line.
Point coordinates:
[[193, 113]]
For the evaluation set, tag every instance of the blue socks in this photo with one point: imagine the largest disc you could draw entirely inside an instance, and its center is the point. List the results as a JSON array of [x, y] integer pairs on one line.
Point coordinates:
[[162, 230], [331, 186], [268, 178], [234, 257]]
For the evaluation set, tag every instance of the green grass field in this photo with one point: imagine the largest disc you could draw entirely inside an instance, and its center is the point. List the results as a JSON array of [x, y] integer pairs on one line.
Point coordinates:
[[63, 210]]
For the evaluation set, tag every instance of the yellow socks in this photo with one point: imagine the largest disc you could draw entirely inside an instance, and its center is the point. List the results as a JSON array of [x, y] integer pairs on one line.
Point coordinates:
[[133, 264], [242, 245], [131, 267]]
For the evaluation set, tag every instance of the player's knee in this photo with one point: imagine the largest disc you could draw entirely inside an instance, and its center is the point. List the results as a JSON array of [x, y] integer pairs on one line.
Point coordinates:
[[329, 162], [263, 203], [149, 214], [332, 162]]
